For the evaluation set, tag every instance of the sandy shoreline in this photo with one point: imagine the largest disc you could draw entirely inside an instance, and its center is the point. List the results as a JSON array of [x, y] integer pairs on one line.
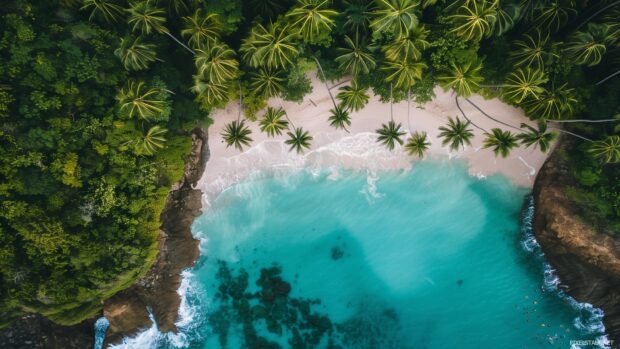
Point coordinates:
[[358, 150]]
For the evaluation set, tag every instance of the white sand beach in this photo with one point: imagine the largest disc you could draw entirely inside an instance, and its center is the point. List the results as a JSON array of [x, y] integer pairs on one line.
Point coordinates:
[[358, 149]]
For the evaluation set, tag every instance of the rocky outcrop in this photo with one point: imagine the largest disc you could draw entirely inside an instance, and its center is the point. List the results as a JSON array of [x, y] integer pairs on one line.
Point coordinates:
[[178, 250], [587, 262], [37, 332]]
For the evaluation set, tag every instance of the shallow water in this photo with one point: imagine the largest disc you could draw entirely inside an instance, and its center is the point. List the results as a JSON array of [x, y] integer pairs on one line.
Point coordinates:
[[430, 258]]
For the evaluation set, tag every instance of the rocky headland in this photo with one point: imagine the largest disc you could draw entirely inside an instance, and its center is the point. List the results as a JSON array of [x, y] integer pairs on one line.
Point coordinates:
[[587, 261]]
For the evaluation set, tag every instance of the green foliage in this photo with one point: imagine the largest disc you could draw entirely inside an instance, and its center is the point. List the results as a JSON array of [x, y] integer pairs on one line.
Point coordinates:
[[79, 208], [273, 122], [500, 141], [299, 140], [417, 144], [237, 134], [297, 84], [456, 134], [390, 134]]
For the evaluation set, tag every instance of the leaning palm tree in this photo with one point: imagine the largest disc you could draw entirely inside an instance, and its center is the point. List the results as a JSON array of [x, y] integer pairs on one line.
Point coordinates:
[[145, 18], [209, 93], [417, 144], [339, 118], [456, 133], [552, 104], [217, 63], [267, 82], [475, 19], [533, 51], [299, 140], [273, 122], [403, 74], [500, 141], [106, 9], [408, 46], [270, 47], [353, 97], [588, 48], [395, 17], [312, 19], [537, 137], [524, 83], [464, 78], [202, 29], [606, 150], [237, 134], [151, 141], [390, 134], [134, 54], [355, 57], [136, 100]]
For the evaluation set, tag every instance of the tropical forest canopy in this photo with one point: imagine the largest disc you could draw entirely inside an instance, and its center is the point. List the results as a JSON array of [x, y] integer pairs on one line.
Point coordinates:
[[97, 98]]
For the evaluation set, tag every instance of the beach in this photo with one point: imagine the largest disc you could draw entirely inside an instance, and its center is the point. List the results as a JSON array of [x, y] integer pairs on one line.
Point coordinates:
[[358, 149]]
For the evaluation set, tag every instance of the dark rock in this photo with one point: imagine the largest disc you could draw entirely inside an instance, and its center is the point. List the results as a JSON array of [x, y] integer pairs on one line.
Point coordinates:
[[587, 261]]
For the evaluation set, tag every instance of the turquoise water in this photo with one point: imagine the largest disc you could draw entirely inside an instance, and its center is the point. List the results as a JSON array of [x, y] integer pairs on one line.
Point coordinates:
[[430, 258]]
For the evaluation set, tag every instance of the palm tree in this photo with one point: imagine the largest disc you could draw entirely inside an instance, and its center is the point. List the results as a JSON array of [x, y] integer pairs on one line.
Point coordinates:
[[390, 134], [355, 58], [508, 14], [237, 134], [266, 82], [588, 48], [417, 144], [554, 14], [134, 54], [353, 97], [502, 142], [202, 30], [457, 134], [403, 74], [524, 83], [106, 9], [217, 63], [209, 93], [268, 8], [273, 122], [339, 118], [356, 15], [312, 20], [151, 141], [146, 19], [136, 100], [533, 51], [537, 137], [475, 19], [606, 150], [271, 47], [408, 46], [465, 79], [396, 17], [554, 104], [299, 140]]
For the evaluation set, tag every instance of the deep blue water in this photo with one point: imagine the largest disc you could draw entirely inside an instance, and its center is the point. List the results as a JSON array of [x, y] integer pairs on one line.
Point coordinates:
[[430, 258]]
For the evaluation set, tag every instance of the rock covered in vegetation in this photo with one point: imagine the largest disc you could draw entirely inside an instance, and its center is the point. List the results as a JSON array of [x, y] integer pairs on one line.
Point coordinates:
[[587, 261], [178, 250]]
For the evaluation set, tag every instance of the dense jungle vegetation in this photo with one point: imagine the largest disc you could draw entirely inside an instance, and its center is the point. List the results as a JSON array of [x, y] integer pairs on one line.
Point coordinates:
[[97, 98]]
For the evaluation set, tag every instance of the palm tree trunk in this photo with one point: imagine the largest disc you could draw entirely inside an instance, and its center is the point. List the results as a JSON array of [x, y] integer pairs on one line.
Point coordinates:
[[325, 81], [608, 77], [286, 114], [596, 14], [583, 120], [570, 133], [240, 101], [490, 117], [180, 43], [391, 104], [408, 110], [456, 98]]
